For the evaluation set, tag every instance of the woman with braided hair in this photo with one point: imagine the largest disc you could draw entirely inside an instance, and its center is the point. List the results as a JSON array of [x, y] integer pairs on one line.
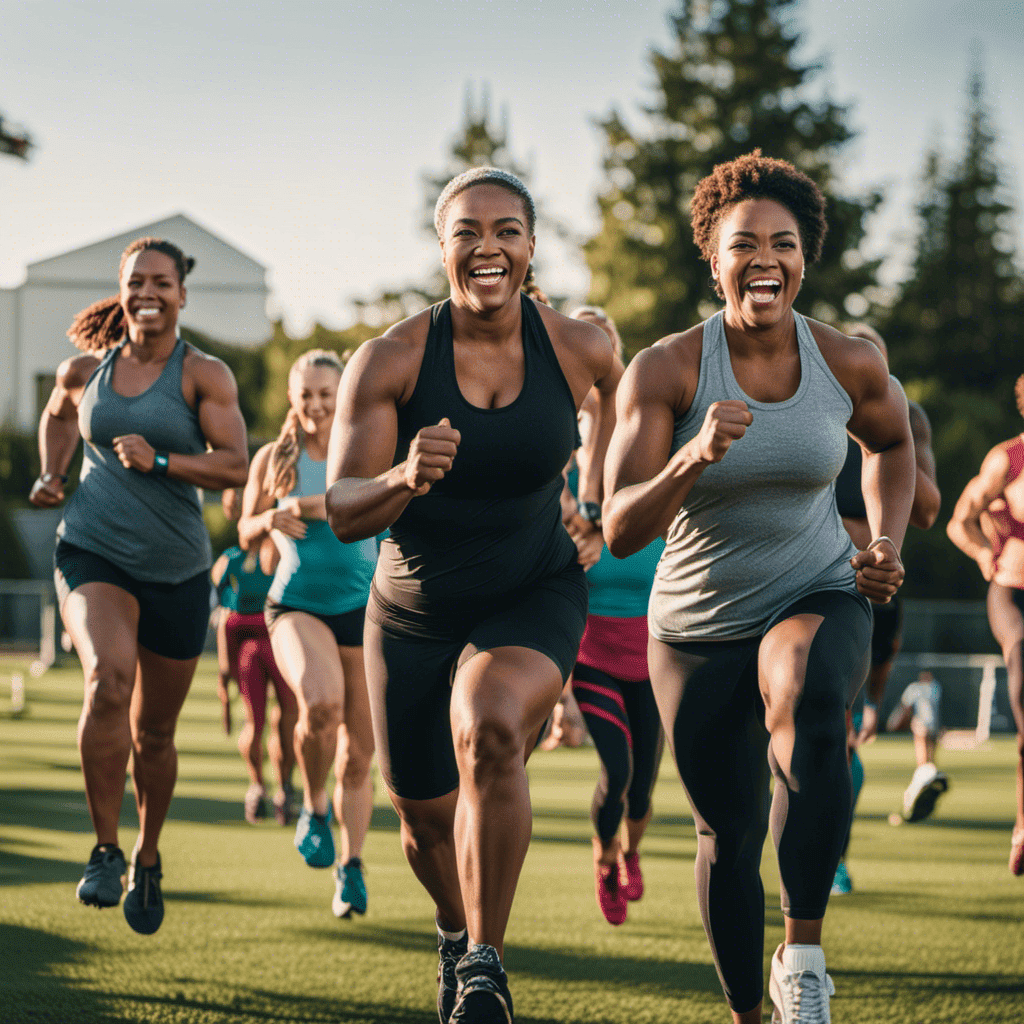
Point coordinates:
[[159, 419], [314, 612]]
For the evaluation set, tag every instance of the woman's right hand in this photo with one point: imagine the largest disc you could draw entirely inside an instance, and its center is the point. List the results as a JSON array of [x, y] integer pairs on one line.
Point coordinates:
[[47, 491], [287, 518], [431, 455], [724, 422]]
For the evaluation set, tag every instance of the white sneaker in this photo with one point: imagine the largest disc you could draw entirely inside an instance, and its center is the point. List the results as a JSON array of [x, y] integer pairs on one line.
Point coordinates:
[[800, 991], [926, 786]]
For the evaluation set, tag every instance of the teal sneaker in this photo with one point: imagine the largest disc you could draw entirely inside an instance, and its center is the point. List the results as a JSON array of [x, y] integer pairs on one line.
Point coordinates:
[[144, 903], [101, 884], [349, 889], [842, 884], [313, 838]]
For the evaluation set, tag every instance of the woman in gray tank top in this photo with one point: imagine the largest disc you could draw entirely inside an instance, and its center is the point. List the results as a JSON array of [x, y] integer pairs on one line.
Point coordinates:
[[159, 420], [728, 440]]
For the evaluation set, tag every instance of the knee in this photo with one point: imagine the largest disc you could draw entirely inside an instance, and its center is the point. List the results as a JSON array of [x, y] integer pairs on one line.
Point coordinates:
[[353, 762], [487, 747], [108, 689], [154, 742], [322, 715]]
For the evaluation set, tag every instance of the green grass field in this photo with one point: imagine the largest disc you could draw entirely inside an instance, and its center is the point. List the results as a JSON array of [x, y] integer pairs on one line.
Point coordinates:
[[933, 932]]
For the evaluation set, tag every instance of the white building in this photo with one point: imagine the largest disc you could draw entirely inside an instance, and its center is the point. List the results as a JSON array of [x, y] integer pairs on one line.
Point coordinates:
[[227, 299]]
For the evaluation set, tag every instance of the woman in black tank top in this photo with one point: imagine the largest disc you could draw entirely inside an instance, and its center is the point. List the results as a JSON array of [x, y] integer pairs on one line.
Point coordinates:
[[452, 430]]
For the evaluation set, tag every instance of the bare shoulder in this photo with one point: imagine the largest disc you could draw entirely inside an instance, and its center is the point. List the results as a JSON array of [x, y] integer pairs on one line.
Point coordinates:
[[856, 363], [585, 341], [389, 365], [210, 374], [668, 371], [75, 371]]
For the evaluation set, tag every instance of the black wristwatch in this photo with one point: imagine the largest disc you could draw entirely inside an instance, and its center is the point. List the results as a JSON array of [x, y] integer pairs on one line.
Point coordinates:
[[591, 511], [159, 464]]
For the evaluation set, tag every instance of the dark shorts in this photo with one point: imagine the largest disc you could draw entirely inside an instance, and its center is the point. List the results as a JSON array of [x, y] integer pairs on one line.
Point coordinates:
[[346, 627], [173, 617], [410, 677], [885, 632]]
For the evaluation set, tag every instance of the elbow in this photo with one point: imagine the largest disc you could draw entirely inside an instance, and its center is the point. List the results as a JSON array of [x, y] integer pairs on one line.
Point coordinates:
[[924, 518], [619, 543]]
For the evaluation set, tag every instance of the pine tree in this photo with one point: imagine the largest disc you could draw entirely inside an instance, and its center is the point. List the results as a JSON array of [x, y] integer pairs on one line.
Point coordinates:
[[956, 332], [730, 82]]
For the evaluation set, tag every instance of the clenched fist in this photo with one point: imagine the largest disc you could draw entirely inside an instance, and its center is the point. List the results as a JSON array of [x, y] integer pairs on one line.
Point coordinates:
[[724, 423], [135, 452], [431, 455]]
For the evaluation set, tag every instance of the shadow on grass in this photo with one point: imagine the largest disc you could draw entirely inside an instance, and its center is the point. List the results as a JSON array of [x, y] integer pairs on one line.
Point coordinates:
[[906, 905], [34, 991], [970, 824], [875, 983]]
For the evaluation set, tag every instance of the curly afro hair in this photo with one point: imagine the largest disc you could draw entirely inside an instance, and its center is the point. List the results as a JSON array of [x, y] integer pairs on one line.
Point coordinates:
[[754, 176]]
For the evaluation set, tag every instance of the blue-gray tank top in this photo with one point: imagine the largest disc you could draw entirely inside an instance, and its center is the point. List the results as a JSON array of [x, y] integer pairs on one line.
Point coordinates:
[[150, 526], [760, 529]]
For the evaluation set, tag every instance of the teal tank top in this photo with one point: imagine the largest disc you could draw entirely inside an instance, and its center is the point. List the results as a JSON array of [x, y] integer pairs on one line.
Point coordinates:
[[319, 573], [620, 588], [243, 589], [150, 526]]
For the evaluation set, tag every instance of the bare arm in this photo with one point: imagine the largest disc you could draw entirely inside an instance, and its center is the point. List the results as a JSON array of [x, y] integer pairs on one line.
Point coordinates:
[[226, 460], [965, 525], [600, 403], [260, 513], [646, 485], [365, 493], [217, 571], [927, 499], [58, 429]]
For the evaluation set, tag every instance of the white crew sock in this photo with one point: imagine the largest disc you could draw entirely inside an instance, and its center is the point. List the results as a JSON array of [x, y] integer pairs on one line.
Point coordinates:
[[450, 936], [798, 957]]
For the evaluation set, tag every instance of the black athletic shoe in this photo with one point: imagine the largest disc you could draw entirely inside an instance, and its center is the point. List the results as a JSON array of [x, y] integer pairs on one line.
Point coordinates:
[[449, 953], [483, 996], [101, 884], [144, 903]]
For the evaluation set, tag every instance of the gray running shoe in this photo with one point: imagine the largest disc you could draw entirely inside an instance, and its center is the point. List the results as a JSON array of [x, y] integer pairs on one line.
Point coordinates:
[[144, 903], [483, 996], [101, 884], [449, 953]]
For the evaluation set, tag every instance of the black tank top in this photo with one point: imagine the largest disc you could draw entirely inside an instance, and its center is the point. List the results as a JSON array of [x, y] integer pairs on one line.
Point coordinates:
[[493, 524], [849, 496]]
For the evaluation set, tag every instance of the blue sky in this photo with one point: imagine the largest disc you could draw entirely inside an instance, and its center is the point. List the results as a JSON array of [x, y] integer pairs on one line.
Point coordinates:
[[299, 130]]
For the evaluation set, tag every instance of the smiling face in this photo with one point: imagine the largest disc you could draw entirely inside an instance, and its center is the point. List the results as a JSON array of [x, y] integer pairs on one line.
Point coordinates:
[[486, 247], [759, 263], [313, 393], [151, 293]]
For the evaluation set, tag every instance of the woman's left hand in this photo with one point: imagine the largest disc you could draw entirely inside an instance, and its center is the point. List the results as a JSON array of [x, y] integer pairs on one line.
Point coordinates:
[[135, 452], [880, 571]]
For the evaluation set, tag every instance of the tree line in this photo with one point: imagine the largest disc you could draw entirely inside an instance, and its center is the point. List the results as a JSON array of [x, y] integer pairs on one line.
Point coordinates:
[[730, 81]]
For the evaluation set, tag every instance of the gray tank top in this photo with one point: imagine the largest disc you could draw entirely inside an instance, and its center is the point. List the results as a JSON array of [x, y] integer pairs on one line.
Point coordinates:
[[149, 526], [759, 529]]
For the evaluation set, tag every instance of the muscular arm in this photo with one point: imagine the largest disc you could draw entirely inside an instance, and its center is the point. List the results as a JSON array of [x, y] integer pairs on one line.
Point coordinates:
[[602, 411], [927, 499], [260, 513], [365, 493], [965, 525], [58, 429]]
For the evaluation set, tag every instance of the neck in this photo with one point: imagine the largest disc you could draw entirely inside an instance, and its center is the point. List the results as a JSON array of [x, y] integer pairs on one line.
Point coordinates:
[[316, 445], [491, 327], [763, 339], [147, 347]]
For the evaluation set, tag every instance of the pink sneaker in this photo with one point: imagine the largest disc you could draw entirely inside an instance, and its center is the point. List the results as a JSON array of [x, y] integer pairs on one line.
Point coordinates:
[[610, 897], [1017, 852], [630, 877]]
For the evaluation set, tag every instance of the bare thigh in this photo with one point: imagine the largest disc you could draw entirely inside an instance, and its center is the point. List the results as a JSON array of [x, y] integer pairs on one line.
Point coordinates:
[[309, 658]]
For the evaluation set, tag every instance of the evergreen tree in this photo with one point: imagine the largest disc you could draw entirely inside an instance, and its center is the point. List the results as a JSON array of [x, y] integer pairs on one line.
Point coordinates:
[[956, 333], [730, 82]]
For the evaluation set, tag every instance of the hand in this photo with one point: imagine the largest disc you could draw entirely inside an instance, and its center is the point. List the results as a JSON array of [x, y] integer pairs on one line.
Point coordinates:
[[135, 452], [879, 571], [431, 455], [588, 538], [287, 518], [868, 725], [47, 493], [724, 423]]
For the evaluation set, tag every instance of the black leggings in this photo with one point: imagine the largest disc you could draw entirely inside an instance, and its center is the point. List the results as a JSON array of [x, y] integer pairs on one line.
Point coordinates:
[[711, 705], [622, 718]]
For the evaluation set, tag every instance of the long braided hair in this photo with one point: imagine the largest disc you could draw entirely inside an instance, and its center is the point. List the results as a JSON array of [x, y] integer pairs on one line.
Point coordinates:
[[282, 474], [101, 325]]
